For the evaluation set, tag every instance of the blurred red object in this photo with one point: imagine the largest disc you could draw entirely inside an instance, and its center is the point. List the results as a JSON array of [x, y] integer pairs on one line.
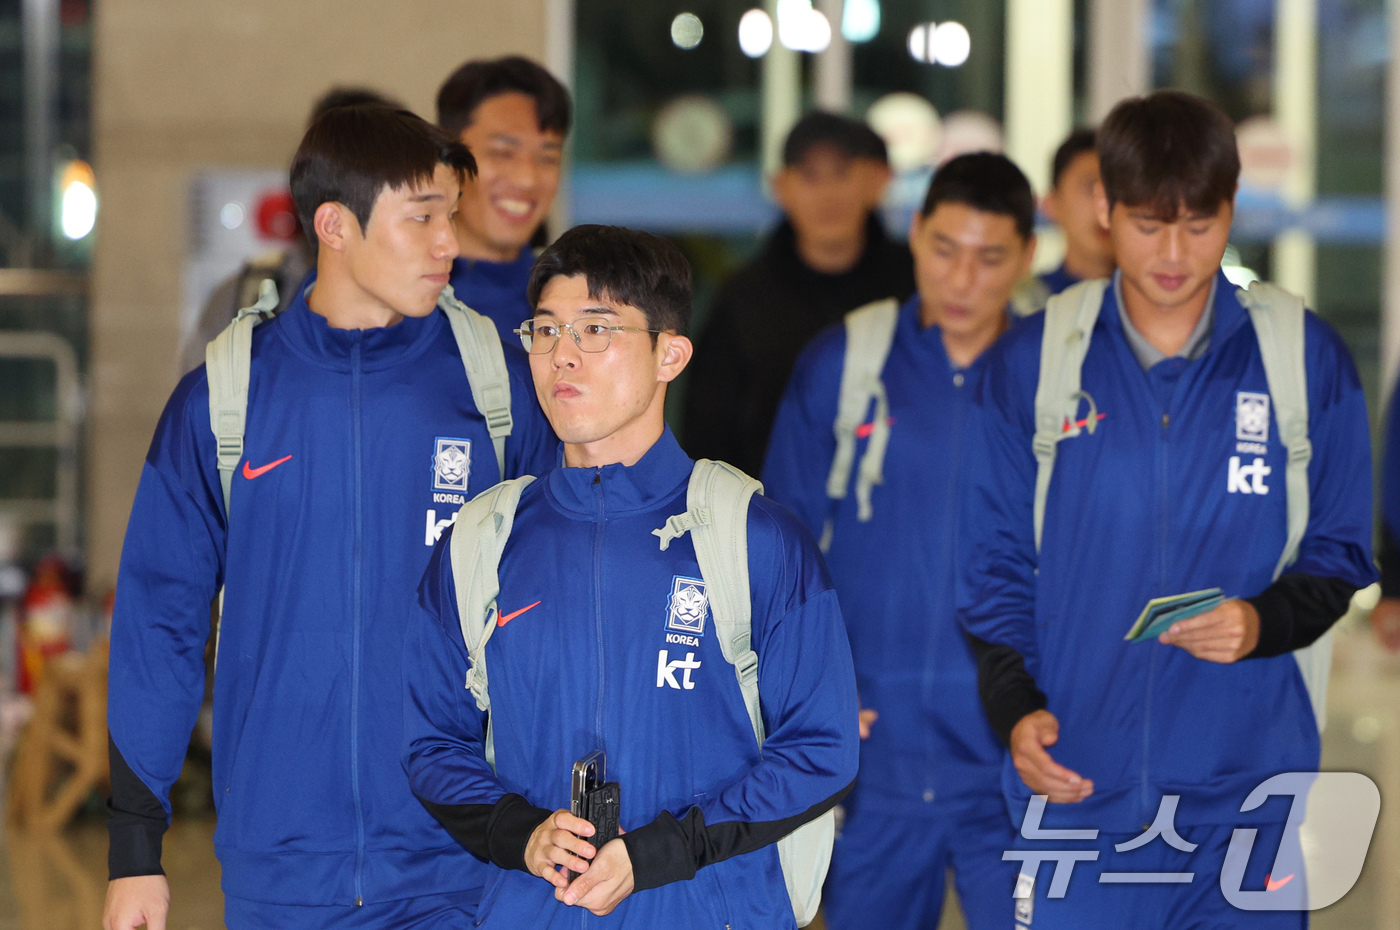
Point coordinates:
[[46, 620], [277, 216]]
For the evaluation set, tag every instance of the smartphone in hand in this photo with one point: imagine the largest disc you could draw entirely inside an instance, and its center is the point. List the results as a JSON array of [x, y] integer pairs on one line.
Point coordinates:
[[595, 799]]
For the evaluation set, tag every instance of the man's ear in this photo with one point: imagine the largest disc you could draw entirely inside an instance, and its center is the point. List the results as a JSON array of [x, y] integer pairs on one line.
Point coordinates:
[[1028, 260], [676, 351], [879, 175], [1050, 206], [782, 187], [334, 224], [1101, 205]]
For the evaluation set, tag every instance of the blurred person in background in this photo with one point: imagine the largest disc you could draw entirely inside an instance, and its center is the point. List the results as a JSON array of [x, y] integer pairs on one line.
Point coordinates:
[[513, 115], [928, 796], [359, 418], [1385, 618], [286, 268], [1070, 205], [828, 256]]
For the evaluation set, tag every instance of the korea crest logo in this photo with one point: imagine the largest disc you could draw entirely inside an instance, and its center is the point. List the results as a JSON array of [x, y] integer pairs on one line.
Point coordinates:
[[689, 605], [1251, 417], [452, 463]]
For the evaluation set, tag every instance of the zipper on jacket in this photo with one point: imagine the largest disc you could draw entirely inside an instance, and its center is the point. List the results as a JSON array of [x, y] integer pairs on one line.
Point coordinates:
[[357, 599], [598, 598], [1163, 540]]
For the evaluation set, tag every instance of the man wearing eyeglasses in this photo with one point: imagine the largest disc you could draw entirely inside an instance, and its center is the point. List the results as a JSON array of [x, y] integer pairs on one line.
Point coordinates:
[[604, 640]]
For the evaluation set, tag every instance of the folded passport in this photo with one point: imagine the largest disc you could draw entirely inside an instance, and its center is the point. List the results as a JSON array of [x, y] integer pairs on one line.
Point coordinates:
[[1161, 612]]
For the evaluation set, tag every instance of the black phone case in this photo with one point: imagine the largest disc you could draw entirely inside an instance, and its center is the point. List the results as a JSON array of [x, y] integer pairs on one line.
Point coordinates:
[[600, 808]]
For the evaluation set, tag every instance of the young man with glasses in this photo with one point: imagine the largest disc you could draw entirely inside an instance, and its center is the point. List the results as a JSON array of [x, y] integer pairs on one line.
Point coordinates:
[[604, 639], [927, 799], [360, 419]]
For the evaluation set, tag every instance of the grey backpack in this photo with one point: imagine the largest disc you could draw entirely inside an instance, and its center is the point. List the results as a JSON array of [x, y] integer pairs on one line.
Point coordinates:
[[1278, 318], [716, 516]]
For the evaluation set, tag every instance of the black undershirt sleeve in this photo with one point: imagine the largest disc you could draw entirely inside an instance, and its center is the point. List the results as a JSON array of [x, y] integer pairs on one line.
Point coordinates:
[[1297, 609], [670, 850], [136, 822], [1389, 558], [1007, 690], [496, 832]]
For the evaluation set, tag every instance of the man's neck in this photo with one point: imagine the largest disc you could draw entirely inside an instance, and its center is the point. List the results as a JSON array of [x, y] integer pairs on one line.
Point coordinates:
[[832, 256], [344, 304], [475, 248], [624, 447], [1088, 267], [965, 348], [1166, 328]]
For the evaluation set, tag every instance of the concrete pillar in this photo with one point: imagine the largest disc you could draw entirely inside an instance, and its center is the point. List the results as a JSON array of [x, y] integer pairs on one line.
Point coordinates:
[[1039, 83]]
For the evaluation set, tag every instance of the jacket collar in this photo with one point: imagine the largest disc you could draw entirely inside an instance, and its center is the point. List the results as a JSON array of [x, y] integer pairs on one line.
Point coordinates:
[[510, 274], [1228, 312], [310, 335], [657, 477]]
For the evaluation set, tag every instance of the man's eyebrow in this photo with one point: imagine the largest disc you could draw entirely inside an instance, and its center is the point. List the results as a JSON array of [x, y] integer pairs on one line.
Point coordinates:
[[425, 197], [998, 249], [944, 238], [505, 137]]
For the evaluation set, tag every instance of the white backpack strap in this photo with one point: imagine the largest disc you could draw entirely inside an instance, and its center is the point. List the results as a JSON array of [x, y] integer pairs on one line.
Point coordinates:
[[1030, 296], [484, 357], [717, 518], [1069, 325], [227, 362], [1279, 320], [483, 525], [869, 336]]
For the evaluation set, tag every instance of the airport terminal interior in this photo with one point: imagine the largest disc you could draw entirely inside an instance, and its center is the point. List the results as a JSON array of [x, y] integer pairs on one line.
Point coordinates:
[[143, 160]]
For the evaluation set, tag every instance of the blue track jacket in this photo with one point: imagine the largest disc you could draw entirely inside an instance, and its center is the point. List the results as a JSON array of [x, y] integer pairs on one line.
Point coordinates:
[[895, 574], [496, 290], [1154, 503], [592, 655], [360, 445]]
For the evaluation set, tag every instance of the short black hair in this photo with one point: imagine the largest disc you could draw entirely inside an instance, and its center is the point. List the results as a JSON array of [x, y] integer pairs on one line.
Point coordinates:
[[1079, 142], [340, 96], [848, 136], [986, 181], [625, 265], [1168, 150], [351, 154], [478, 81]]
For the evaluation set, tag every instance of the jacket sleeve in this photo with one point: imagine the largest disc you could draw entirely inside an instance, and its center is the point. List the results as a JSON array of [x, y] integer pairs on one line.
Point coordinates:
[[444, 731], [996, 587], [531, 448], [803, 444], [1334, 557], [171, 568], [717, 388], [807, 692]]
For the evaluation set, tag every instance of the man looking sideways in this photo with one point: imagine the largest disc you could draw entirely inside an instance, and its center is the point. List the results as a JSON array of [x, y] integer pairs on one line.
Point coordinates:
[[513, 115], [928, 797], [604, 639], [1171, 475], [1071, 204], [360, 420]]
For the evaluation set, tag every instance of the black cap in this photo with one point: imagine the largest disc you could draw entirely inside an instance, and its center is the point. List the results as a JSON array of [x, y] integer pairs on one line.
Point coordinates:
[[850, 136]]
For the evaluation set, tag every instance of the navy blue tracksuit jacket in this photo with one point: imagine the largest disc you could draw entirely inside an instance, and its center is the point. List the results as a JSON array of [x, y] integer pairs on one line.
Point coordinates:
[[360, 446], [496, 290], [596, 652], [1180, 488]]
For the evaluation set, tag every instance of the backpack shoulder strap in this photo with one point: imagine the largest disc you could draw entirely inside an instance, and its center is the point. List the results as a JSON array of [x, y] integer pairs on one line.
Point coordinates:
[[869, 336], [717, 518], [1029, 296], [1279, 319], [227, 362], [1069, 325], [484, 358], [479, 537]]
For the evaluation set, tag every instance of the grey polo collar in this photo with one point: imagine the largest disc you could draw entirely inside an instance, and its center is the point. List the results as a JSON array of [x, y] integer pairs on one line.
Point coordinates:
[[1149, 355]]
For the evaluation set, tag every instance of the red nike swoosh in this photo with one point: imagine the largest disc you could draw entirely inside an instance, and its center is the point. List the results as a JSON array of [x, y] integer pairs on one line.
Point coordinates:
[[503, 619], [866, 430], [250, 472], [1081, 424], [1272, 885]]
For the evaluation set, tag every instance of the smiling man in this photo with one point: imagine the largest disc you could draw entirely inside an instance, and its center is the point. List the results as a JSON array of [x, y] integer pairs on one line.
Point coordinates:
[[1168, 469], [606, 639], [360, 427], [927, 799], [513, 115]]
